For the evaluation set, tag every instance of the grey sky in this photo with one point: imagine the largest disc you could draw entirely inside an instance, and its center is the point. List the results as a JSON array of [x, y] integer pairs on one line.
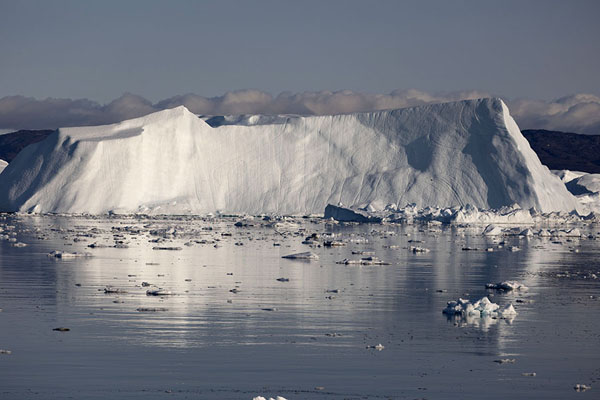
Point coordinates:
[[158, 49]]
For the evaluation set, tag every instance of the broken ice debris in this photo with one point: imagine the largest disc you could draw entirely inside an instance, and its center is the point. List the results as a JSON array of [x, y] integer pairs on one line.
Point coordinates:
[[377, 347], [506, 286], [270, 398], [481, 308], [112, 290], [158, 292], [66, 254], [151, 309], [416, 249], [371, 260], [580, 387], [3, 351], [492, 230], [505, 361], [308, 255]]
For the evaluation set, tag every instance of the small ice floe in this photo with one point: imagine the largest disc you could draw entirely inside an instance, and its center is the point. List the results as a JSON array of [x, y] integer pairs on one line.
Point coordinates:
[[527, 232], [173, 248], [417, 249], [19, 244], [506, 286], [283, 279], [514, 248], [158, 292], [333, 243], [377, 347], [371, 260], [529, 374], [308, 255], [4, 351], [505, 361], [151, 309], [580, 387], [492, 230], [270, 398], [269, 309], [61, 329], [97, 246], [112, 290], [66, 254], [481, 308]]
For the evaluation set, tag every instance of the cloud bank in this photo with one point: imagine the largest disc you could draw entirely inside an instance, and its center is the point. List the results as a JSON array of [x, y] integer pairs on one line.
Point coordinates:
[[578, 113]]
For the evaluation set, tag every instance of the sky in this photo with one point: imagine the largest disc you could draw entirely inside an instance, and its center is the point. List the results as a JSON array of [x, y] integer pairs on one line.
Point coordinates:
[[538, 50]]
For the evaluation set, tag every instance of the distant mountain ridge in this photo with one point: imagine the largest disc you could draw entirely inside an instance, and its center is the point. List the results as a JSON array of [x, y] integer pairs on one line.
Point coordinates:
[[563, 150], [12, 143]]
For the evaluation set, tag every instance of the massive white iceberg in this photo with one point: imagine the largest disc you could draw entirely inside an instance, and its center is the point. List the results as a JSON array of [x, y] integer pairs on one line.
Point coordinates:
[[452, 154]]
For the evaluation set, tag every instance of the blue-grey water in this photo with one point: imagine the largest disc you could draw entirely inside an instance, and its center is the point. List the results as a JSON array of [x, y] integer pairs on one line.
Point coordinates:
[[298, 339]]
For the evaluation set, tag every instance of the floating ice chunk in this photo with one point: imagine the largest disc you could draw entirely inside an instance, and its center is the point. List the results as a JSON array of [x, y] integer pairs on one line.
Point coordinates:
[[527, 232], [507, 311], [308, 255], [505, 361], [492, 230], [112, 290], [506, 285], [417, 249], [66, 254], [158, 292], [363, 261], [580, 387], [575, 232], [481, 308]]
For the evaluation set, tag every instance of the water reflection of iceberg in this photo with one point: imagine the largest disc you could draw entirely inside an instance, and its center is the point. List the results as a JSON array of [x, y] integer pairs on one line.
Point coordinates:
[[484, 323]]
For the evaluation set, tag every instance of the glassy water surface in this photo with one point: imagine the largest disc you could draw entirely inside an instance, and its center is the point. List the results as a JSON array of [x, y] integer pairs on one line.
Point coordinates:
[[231, 330]]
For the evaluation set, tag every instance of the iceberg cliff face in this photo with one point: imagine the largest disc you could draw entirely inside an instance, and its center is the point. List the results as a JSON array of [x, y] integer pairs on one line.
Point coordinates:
[[468, 152]]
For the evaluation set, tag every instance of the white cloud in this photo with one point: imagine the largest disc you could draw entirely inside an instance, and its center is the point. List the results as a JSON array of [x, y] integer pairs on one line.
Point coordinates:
[[577, 113]]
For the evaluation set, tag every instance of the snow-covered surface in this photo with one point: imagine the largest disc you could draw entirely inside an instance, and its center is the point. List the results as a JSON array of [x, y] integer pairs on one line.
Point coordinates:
[[566, 175], [585, 187], [3, 165], [448, 155], [585, 184]]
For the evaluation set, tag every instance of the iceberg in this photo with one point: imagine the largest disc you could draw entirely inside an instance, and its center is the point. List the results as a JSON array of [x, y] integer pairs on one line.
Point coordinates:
[[172, 162]]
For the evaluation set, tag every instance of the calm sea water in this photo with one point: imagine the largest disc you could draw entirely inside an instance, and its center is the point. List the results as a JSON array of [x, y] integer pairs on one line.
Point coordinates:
[[306, 338]]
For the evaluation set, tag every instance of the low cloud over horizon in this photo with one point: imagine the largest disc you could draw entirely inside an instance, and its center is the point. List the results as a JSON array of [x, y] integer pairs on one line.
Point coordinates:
[[579, 113]]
